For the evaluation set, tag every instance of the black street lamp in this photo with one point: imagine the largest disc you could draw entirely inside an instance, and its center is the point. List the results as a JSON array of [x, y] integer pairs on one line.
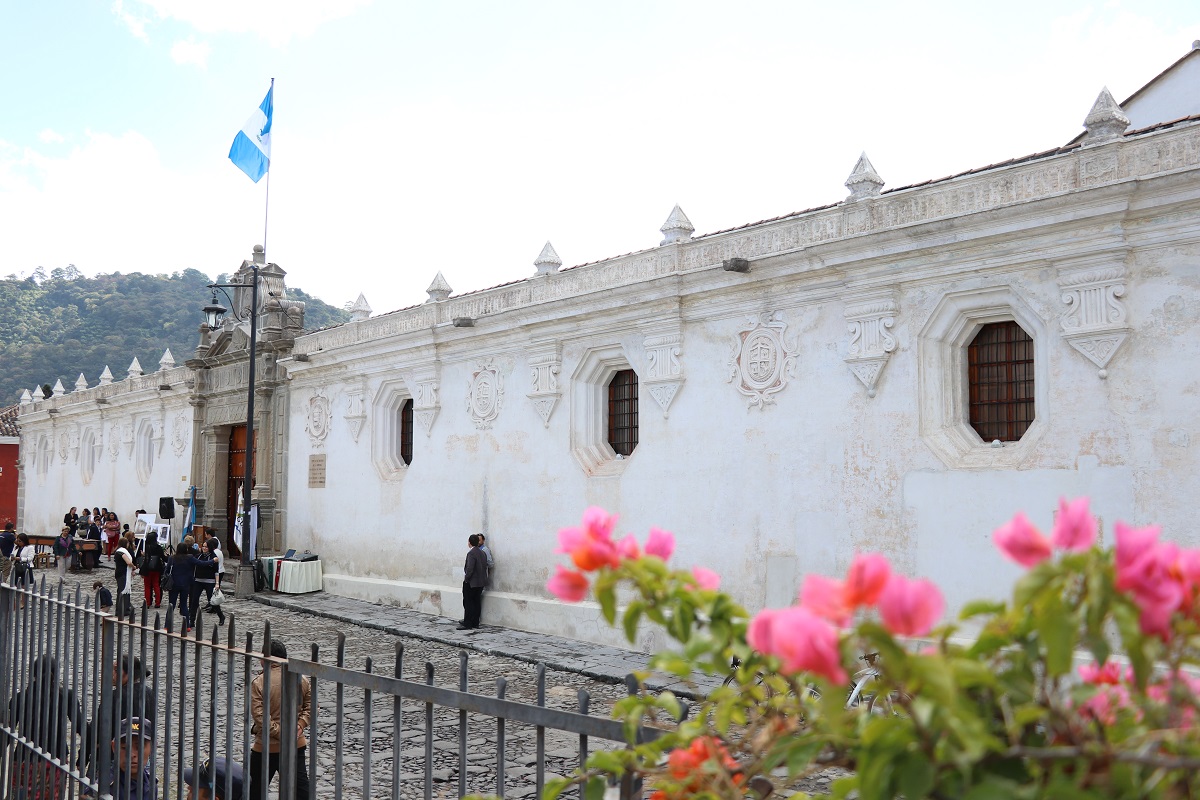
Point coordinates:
[[213, 313]]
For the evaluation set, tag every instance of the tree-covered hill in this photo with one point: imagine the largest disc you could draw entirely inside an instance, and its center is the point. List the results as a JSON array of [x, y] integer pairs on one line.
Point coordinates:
[[57, 325]]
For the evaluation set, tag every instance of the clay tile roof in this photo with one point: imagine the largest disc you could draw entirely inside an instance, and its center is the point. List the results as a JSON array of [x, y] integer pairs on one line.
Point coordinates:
[[8, 421]]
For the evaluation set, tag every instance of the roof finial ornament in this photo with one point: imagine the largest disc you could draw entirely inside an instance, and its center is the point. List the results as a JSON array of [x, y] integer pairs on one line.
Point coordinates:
[[547, 261], [135, 369], [167, 361], [864, 181], [80, 383], [59, 390], [106, 376], [1106, 121], [438, 291], [26, 398], [677, 228], [361, 309]]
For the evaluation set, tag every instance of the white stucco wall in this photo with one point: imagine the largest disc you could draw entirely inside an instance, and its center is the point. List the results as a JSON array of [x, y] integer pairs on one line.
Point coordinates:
[[764, 495], [119, 417]]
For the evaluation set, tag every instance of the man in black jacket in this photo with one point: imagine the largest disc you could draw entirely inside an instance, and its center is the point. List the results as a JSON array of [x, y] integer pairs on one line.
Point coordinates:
[[474, 579]]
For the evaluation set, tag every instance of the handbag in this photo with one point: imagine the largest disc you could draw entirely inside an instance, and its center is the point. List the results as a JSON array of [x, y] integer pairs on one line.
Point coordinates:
[[218, 597]]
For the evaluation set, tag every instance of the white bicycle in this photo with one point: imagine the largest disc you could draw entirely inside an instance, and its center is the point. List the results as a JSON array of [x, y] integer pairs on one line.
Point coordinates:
[[866, 691]]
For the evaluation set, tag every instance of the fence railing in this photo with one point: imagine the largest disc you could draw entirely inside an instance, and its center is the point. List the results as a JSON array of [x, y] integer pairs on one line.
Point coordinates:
[[69, 676]]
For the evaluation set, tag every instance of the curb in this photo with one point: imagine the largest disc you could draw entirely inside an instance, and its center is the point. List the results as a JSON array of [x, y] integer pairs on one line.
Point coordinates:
[[654, 683]]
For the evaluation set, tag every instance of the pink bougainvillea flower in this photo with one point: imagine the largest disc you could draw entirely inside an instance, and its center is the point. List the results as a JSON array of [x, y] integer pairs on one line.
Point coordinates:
[[804, 642], [591, 546], [1019, 541], [910, 608], [660, 543], [760, 632], [1133, 544], [1074, 528], [706, 578], [629, 548], [1108, 673], [568, 585], [826, 597], [598, 523], [865, 579], [1152, 573]]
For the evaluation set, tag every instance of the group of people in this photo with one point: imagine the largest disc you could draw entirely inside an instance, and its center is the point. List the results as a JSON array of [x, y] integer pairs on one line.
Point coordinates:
[[191, 571], [16, 557], [132, 737], [98, 524]]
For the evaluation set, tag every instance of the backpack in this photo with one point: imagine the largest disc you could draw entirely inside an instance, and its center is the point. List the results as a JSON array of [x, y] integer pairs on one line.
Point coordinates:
[[260, 575]]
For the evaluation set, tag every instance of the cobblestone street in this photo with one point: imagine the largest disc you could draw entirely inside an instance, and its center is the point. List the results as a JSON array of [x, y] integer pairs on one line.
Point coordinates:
[[372, 632]]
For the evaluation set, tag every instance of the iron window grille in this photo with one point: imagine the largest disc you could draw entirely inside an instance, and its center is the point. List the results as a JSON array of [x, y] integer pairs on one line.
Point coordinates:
[[1000, 382]]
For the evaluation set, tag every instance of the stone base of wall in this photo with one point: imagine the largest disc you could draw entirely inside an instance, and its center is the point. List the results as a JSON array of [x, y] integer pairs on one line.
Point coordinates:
[[580, 621]]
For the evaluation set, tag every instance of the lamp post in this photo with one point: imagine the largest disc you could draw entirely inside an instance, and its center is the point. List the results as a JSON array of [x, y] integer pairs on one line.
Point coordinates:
[[213, 313]]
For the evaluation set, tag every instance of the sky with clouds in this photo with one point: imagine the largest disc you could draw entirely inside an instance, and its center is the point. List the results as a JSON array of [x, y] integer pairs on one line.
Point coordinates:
[[411, 138]]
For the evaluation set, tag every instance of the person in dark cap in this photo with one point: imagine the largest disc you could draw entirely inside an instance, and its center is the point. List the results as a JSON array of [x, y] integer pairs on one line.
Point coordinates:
[[212, 777], [134, 749]]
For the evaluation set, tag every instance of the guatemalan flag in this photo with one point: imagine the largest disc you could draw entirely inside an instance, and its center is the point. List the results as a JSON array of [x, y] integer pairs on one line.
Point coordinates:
[[251, 150]]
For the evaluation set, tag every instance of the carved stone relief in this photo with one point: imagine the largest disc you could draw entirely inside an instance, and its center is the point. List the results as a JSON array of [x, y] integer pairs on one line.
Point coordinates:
[[1095, 320], [356, 415], [545, 362], [485, 395], [423, 386], [317, 417], [64, 445], [663, 346], [869, 322], [762, 360], [181, 427], [114, 442]]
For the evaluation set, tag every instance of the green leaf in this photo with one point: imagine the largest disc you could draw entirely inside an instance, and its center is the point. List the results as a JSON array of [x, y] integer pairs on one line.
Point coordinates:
[[1056, 627], [991, 788], [595, 789], [608, 603], [609, 761], [555, 787], [914, 776], [633, 615], [977, 608]]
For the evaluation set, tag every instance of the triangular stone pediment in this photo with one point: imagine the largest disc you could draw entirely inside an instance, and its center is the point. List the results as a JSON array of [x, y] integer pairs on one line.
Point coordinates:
[[663, 393], [544, 405], [1099, 348]]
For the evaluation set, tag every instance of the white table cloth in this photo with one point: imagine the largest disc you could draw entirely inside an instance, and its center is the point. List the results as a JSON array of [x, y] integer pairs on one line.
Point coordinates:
[[298, 577]]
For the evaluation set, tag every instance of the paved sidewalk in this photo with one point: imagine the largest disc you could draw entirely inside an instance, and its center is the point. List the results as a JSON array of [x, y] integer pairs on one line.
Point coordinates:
[[569, 655]]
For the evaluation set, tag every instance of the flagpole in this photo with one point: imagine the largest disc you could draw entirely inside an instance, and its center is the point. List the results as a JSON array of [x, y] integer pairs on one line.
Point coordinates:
[[267, 202]]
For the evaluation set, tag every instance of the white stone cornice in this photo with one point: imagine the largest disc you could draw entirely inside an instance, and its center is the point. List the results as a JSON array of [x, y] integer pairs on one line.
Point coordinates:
[[869, 320]]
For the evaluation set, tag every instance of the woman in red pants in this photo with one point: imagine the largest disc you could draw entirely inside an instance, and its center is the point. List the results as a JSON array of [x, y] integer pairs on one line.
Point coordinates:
[[154, 561], [112, 532]]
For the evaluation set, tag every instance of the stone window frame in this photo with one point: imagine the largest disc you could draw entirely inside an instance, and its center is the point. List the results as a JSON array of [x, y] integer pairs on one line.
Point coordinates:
[[387, 431], [589, 409], [942, 376], [144, 450]]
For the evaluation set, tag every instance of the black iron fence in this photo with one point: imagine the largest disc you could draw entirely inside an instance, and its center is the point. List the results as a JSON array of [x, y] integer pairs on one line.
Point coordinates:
[[71, 677]]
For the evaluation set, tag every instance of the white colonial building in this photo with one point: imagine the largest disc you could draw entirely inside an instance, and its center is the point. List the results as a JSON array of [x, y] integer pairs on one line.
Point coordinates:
[[899, 372]]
